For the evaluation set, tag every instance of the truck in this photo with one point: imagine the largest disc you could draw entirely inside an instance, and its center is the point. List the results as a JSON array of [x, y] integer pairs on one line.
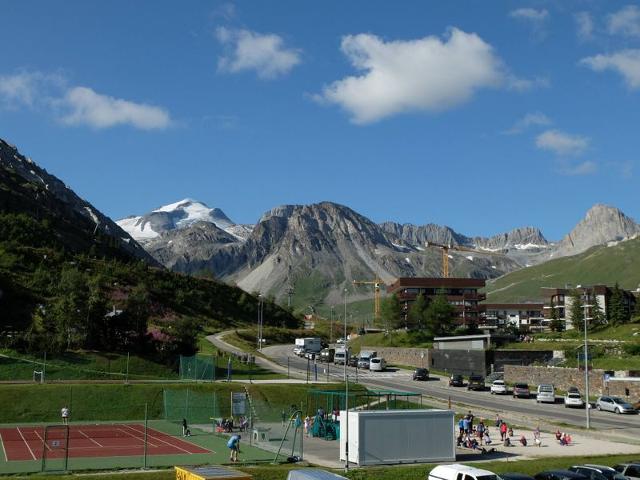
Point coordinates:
[[308, 345]]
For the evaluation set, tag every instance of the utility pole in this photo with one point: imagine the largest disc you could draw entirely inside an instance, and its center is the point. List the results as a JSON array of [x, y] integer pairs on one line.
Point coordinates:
[[331, 330]]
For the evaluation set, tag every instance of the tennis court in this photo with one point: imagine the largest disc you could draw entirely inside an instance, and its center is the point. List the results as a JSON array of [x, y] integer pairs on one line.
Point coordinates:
[[117, 440]]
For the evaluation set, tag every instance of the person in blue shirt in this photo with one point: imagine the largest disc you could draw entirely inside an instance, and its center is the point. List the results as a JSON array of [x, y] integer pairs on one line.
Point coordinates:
[[461, 425], [234, 447]]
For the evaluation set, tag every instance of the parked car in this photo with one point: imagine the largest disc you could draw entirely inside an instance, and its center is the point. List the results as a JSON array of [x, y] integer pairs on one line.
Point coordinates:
[[559, 475], [521, 390], [456, 381], [421, 374], [598, 472], [456, 471], [573, 399], [377, 364], [614, 404], [363, 362], [498, 387], [353, 361], [476, 382], [546, 393], [629, 470]]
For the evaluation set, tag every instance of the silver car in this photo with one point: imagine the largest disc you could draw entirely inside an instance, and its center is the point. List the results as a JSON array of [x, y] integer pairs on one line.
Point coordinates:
[[614, 404]]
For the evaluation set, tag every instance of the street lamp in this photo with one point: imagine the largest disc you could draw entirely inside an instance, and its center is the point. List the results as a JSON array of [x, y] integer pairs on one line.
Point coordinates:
[[346, 389], [587, 406], [331, 331], [260, 308]]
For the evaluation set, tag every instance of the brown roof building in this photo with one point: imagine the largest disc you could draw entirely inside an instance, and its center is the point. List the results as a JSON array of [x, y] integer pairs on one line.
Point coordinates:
[[462, 293]]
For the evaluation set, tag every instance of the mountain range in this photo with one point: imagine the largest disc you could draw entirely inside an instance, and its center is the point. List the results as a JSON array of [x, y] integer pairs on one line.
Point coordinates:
[[317, 250], [314, 251]]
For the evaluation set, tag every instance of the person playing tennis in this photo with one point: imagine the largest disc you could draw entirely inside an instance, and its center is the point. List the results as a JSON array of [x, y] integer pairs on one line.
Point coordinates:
[[64, 413], [234, 447]]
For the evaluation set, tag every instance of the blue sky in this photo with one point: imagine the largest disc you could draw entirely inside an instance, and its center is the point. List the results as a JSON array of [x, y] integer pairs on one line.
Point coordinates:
[[479, 115]]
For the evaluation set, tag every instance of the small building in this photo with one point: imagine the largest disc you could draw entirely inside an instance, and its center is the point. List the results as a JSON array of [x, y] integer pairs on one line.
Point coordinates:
[[463, 342], [462, 293]]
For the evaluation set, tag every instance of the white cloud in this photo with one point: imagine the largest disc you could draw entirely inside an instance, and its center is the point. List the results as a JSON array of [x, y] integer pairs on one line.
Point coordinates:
[[427, 74], [584, 25], [530, 14], [264, 53], [529, 120], [625, 21], [562, 143], [19, 88], [87, 107], [625, 62], [584, 168], [526, 84]]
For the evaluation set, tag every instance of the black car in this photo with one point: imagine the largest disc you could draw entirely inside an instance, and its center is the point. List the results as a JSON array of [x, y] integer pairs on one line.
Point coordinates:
[[598, 472], [353, 361], [476, 382], [559, 475], [515, 476], [421, 374], [456, 381]]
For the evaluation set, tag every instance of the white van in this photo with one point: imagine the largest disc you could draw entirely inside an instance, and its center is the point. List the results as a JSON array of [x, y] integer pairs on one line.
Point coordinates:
[[340, 356], [546, 393], [377, 364], [455, 471]]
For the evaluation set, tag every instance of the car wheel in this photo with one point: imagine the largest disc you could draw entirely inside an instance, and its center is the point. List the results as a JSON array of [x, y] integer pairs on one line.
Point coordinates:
[[599, 407], [617, 410]]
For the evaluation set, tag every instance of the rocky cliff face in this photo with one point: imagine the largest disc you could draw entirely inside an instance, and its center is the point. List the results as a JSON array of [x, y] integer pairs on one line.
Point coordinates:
[[40, 192], [601, 225]]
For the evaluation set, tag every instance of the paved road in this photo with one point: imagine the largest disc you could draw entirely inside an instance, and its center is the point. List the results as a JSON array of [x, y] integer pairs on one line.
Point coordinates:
[[401, 380]]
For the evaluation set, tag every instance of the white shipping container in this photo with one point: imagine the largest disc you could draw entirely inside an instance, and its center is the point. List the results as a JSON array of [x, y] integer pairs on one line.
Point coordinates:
[[398, 436]]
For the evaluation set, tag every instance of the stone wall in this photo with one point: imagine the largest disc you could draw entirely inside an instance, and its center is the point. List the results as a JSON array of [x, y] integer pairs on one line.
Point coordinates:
[[500, 358], [463, 362], [626, 388], [561, 378], [411, 357]]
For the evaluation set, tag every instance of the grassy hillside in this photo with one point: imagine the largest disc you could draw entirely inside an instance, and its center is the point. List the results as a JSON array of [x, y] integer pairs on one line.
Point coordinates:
[[599, 265]]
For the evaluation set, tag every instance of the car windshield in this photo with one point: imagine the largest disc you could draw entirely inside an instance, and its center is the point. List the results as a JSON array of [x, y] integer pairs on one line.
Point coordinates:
[[574, 395], [618, 400], [488, 477], [521, 385], [498, 382], [421, 370]]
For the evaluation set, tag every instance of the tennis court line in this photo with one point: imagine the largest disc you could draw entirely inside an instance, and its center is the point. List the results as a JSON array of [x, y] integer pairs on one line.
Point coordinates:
[[157, 438], [3, 450], [90, 438], [137, 438], [25, 442], [41, 439]]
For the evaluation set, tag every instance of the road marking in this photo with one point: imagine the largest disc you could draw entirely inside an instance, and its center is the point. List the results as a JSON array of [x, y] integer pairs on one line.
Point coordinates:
[[25, 442]]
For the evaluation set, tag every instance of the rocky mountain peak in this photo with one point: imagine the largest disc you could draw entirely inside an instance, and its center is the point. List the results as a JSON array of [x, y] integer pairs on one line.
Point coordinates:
[[601, 224]]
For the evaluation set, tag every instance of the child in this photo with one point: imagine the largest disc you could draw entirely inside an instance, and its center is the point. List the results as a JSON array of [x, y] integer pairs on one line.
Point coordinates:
[[523, 441]]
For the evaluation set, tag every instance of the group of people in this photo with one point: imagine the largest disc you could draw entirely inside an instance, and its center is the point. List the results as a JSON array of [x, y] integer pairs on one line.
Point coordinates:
[[563, 438], [475, 436], [226, 425]]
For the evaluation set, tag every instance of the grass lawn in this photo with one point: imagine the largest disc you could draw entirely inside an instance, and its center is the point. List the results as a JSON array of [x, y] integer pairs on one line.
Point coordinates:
[[414, 472], [82, 365]]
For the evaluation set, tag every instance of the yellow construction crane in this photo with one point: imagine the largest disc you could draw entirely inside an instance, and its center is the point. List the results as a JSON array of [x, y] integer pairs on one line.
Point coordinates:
[[376, 294], [445, 254]]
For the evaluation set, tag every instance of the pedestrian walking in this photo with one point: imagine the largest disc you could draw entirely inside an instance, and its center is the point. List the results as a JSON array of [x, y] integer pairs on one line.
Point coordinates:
[[234, 447], [185, 428]]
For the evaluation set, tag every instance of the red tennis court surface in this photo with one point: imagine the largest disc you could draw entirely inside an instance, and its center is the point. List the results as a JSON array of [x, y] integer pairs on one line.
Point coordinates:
[[124, 439]]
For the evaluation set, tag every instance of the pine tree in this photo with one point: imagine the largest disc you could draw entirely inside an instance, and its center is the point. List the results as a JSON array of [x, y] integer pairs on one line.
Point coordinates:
[[439, 315], [577, 310], [416, 312], [391, 312], [617, 312], [555, 324]]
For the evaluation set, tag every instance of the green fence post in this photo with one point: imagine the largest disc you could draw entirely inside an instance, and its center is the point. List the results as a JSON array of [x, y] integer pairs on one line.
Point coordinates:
[[146, 421]]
